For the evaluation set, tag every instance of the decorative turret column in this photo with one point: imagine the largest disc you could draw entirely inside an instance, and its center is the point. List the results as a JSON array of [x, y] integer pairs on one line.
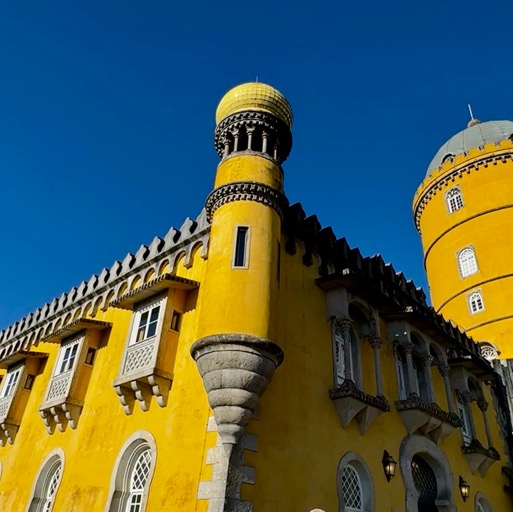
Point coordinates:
[[237, 351]]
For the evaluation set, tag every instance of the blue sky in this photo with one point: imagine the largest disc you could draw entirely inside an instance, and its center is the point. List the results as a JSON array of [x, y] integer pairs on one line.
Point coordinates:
[[107, 119]]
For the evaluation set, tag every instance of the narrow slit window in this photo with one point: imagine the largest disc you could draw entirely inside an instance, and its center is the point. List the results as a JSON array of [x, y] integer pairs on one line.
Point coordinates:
[[240, 257], [176, 320], [91, 353]]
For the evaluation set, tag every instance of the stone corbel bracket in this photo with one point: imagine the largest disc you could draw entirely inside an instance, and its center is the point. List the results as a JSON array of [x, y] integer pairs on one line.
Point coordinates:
[[480, 458], [61, 415], [8, 431], [236, 370]]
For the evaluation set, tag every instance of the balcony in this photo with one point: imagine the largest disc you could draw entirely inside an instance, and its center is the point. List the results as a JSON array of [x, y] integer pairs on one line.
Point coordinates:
[[8, 427], [420, 417], [140, 378], [354, 404], [480, 458]]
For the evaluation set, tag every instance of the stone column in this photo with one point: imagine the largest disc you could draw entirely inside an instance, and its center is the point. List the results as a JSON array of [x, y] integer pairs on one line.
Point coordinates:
[[235, 134], [444, 372], [275, 150], [408, 350], [467, 400], [345, 325], [376, 342], [483, 407], [264, 141], [250, 130], [226, 151], [427, 362]]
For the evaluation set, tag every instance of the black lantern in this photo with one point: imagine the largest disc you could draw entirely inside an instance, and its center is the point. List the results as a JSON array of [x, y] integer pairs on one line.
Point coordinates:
[[389, 465], [464, 488]]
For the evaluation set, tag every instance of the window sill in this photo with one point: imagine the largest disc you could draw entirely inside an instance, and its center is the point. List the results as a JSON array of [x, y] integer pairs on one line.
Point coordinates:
[[479, 457], [427, 419], [141, 386], [353, 403]]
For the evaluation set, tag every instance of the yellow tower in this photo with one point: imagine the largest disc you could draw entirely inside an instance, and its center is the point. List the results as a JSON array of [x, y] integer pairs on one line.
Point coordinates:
[[464, 213], [237, 352]]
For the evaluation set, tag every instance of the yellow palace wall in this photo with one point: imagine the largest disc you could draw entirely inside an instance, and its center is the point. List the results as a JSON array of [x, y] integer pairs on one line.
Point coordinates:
[[91, 450], [300, 437]]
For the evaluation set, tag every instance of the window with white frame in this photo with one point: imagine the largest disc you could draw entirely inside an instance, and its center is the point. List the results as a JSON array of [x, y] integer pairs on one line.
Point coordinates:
[[47, 485], [133, 474], [240, 247], [466, 422], [147, 319], [67, 356], [351, 487], [467, 262], [454, 199], [482, 504], [475, 302], [10, 381], [346, 354], [489, 351], [402, 373]]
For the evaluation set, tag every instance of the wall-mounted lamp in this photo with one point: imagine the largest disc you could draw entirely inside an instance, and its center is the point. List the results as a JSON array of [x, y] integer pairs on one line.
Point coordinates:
[[389, 465], [464, 488]]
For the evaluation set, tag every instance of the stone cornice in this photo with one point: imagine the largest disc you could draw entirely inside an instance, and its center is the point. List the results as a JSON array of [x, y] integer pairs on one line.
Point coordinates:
[[245, 191], [434, 184], [100, 290], [349, 389]]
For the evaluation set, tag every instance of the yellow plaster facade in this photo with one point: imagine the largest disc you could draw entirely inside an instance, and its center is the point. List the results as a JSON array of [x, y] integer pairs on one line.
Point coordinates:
[[249, 361]]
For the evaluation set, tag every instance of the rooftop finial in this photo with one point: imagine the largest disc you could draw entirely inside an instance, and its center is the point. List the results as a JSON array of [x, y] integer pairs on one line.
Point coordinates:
[[256, 79], [473, 121]]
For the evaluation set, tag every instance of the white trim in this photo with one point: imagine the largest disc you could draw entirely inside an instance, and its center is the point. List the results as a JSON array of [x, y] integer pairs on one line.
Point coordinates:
[[10, 374], [452, 196], [467, 265], [475, 302], [481, 504], [246, 246], [118, 494], [160, 302], [35, 504]]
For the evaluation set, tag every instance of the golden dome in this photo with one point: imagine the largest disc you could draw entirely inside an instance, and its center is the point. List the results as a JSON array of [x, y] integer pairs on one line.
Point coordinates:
[[254, 96]]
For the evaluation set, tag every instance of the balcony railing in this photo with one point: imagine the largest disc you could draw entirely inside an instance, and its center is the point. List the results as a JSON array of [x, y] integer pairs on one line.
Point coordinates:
[[139, 356], [5, 403], [59, 386]]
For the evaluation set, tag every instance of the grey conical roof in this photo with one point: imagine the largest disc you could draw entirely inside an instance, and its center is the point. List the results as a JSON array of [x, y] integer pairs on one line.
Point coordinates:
[[477, 135]]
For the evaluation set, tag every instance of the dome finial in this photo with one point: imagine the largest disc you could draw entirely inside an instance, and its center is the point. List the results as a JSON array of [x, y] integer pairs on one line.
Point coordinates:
[[473, 121]]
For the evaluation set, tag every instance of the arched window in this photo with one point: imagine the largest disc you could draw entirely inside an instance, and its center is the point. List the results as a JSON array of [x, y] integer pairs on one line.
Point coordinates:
[[424, 479], [454, 199], [132, 474], [47, 483], [354, 484], [346, 353], [351, 490], [467, 262], [481, 503], [475, 302], [489, 351]]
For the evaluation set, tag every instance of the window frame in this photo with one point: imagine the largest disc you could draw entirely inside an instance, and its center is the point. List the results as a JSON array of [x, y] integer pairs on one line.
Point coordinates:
[[472, 264], [53, 462], [340, 346], [475, 298], [123, 468], [247, 241], [74, 344], [454, 192], [139, 310], [358, 464], [464, 412], [16, 374]]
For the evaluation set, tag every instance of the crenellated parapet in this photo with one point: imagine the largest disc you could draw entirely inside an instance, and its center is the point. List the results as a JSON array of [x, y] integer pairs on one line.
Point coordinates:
[[150, 262], [394, 296]]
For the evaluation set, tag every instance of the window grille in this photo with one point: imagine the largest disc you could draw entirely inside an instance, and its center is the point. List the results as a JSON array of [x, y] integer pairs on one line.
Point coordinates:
[[138, 479], [454, 199], [479, 507], [352, 490], [51, 485], [467, 262], [475, 302], [488, 351], [425, 481]]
